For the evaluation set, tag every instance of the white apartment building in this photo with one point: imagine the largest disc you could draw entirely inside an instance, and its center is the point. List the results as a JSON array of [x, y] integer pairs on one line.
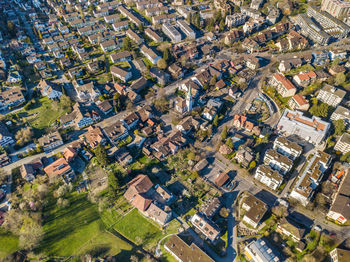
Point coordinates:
[[186, 28], [288, 148], [341, 113], [343, 144], [171, 32], [269, 177], [278, 161], [309, 179], [331, 95]]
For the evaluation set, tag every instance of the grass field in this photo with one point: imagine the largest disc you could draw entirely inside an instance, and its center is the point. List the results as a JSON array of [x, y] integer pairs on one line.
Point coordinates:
[[44, 113], [138, 229], [8, 243], [78, 229]]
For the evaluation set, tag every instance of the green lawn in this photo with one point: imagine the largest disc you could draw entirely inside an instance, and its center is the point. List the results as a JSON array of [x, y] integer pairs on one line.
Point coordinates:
[[8, 243], [78, 229], [44, 113], [138, 229]]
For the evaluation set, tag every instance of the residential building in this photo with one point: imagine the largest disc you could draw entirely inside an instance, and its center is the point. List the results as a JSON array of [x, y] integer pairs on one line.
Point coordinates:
[[186, 28], [93, 137], [336, 8], [262, 251], [340, 255], [310, 178], [255, 210], [79, 117], [235, 20], [341, 113], [343, 144], [283, 85], [157, 11], [211, 207], [288, 148], [4, 160], [165, 18], [162, 217], [27, 172], [244, 155], [289, 228], [137, 192], [11, 98], [49, 90], [162, 77], [121, 74], [304, 79], [206, 227], [120, 57], [278, 161], [109, 45], [86, 92], [298, 102], [312, 129], [131, 120], [5, 136], [153, 35], [60, 169], [268, 176], [287, 65], [331, 95], [140, 5], [50, 141], [111, 19], [125, 12], [115, 132], [336, 28], [340, 207], [171, 32], [134, 37], [185, 253], [310, 29], [256, 4], [150, 54], [120, 26]]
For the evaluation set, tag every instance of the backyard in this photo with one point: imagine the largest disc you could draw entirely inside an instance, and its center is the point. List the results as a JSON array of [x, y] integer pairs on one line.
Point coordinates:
[[79, 229], [43, 113], [129, 226], [8, 243]]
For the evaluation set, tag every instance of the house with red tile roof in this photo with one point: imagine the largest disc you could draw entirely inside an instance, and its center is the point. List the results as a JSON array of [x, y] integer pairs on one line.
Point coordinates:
[[305, 78], [298, 102], [60, 168], [283, 85]]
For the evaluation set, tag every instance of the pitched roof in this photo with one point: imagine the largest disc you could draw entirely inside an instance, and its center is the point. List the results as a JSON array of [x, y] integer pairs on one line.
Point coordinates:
[[141, 203], [59, 167], [221, 179]]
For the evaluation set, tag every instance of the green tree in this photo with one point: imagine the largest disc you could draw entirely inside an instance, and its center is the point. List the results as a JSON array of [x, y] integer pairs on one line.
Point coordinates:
[[213, 80], [252, 164], [127, 44], [319, 109], [161, 63], [222, 25], [166, 55], [216, 120], [11, 27], [191, 156], [141, 28], [224, 133], [229, 143], [340, 78], [101, 155], [339, 127], [113, 183]]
